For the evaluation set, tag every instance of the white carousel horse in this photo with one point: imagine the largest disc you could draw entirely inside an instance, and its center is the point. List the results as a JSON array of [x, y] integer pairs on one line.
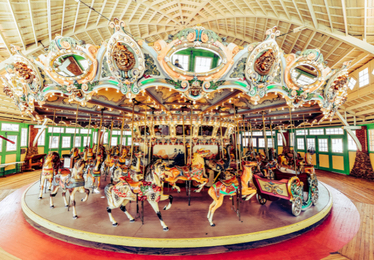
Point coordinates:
[[184, 173], [72, 181], [151, 190], [50, 166], [222, 188]]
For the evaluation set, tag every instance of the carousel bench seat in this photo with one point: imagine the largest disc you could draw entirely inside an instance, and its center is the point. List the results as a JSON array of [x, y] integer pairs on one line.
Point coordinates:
[[4, 165], [34, 160], [278, 175]]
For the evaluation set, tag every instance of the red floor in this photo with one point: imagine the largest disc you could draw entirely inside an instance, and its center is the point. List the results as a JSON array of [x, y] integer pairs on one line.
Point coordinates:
[[18, 238]]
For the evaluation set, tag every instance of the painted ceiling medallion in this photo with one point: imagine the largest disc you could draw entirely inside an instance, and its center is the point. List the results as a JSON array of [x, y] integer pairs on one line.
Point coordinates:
[[264, 63]]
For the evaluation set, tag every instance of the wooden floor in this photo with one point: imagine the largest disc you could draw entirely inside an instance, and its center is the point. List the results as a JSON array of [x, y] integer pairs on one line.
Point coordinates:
[[361, 192]]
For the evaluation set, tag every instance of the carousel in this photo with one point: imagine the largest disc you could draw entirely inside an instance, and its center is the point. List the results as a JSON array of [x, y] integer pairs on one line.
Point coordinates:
[[192, 104]]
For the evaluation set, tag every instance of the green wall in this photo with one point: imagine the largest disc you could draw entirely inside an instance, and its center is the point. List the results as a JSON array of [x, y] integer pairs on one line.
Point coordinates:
[[193, 53]]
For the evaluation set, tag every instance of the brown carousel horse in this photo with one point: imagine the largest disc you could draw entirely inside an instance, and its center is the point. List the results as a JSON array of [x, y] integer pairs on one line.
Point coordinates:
[[94, 171], [194, 172], [72, 181], [150, 189], [111, 159], [133, 174], [229, 187], [50, 168]]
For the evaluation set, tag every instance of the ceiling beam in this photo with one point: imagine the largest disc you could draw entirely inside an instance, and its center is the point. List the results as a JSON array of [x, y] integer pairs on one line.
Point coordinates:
[[7, 46], [285, 9], [113, 10], [90, 38], [359, 58], [344, 56], [260, 109], [102, 10], [294, 42], [312, 13], [272, 7], [365, 19], [309, 40], [345, 17], [32, 22], [113, 106], [89, 13], [298, 11], [360, 105], [49, 19], [15, 21], [76, 16], [262, 7], [332, 51], [102, 38], [63, 17], [328, 14], [153, 97]]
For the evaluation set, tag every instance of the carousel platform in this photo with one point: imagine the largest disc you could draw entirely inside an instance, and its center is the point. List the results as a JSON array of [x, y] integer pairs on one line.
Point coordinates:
[[189, 230]]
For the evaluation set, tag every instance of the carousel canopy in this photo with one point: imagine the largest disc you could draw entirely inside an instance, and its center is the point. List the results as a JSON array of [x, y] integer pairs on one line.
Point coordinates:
[[236, 60]]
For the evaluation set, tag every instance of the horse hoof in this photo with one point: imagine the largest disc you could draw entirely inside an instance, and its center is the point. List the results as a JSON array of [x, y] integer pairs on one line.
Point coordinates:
[[212, 225], [49, 189], [165, 208], [40, 198], [166, 229], [52, 206], [132, 220], [115, 224], [66, 206], [82, 199], [75, 217]]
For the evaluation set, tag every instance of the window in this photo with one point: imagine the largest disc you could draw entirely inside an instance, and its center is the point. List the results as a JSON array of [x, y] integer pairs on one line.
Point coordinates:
[[322, 145], [352, 83], [78, 140], [9, 127], [363, 77], [183, 60], [257, 133], [105, 138], [9, 145], [351, 143], [292, 139], [311, 144], [261, 142], [66, 142], [41, 140], [254, 142], [300, 144], [1, 144], [334, 131], [245, 142], [129, 140], [55, 130], [305, 80], [114, 141], [316, 131], [280, 139], [337, 145], [270, 142], [371, 140], [71, 130], [202, 64], [53, 141], [302, 132], [24, 137], [268, 133], [85, 143], [123, 140], [94, 137], [127, 132], [84, 131]]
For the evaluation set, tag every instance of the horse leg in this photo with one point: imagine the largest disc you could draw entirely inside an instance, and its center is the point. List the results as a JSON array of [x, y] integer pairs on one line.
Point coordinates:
[[97, 189], [72, 198], [109, 210], [170, 201], [201, 186], [248, 193], [64, 197], [50, 183], [156, 209], [51, 195], [123, 208], [41, 186], [214, 208], [87, 191], [213, 196]]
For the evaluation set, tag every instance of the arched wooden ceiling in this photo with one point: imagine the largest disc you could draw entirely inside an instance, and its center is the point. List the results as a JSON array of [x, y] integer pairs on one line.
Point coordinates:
[[342, 29]]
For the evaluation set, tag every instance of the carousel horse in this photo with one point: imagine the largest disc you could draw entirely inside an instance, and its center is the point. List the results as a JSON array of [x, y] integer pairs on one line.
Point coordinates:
[[74, 156], [133, 173], [195, 171], [72, 181], [120, 194], [94, 172], [229, 187], [50, 167]]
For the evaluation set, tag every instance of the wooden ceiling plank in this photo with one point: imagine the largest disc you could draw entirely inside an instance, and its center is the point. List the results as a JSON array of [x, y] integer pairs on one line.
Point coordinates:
[[309, 40], [134, 12], [217, 8], [262, 7], [90, 38], [285, 9], [98, 31], [15, 21], [285, 36], [361, 104], [180, 11], [359, 59], [272, 7], [76, 16], [328, 14], [332, 50], [113, 10], [32, 22], [298, 11], [344, 56], [294, 42], [345, 17], [227, 7], [365, 19], [5, 41], [237, 6], [249, 6], [125, 10], [63, 18]]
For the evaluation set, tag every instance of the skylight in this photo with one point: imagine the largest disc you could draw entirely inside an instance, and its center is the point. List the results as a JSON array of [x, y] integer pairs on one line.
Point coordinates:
[[352, 83], [363, 77]]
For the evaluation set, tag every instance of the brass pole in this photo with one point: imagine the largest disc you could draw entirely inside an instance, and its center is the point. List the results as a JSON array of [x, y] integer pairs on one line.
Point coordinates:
[[89, 127], [98, 133], [111, 133], [266, 140], [76, 121], [184, 137], [221, 134], [132, 134], [294, 138], [121, 136], [236, 140], [53, 129], [145, 136]]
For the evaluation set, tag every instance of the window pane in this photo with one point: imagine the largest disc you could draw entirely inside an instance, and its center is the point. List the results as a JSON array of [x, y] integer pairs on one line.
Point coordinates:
[[292, 139], [261, 142], [123, 140], [71, 131], [352, 83], [9, 127], [257, 133], [84, 131], [322, 145], [351, 144], [302, 132], [334, 131], [105, 137], [95, 137], [9, 145], [280, 140], [337, 145], [182, 59], [85, 143], [270, 142], [129, 140], [66, 142], [1, 144], [24, 137], [245, 142], [311, 144], [56, 130], [78, 140], [363, 77], [41, 140], [316, 131], [254, 142], [202, 64], [53, 141], [300, 144], [114, 141], [371, 140]]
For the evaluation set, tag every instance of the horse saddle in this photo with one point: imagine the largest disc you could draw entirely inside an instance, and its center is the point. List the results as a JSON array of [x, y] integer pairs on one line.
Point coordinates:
[[230, 182]]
